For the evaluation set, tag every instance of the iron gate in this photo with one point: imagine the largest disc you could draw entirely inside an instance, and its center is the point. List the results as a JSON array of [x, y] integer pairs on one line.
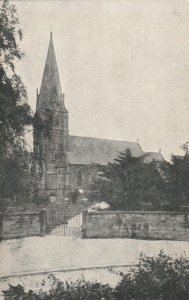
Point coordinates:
[[64, 223]]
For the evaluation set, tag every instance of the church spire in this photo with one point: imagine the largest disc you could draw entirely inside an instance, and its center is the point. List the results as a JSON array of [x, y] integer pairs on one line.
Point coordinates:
[[50, 85]]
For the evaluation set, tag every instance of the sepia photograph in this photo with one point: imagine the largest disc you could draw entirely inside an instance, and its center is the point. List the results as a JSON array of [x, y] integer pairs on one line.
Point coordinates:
[[94, 149]]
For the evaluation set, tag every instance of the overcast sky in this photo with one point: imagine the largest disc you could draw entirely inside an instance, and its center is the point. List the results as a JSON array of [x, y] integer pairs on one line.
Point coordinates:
[[124, 66]]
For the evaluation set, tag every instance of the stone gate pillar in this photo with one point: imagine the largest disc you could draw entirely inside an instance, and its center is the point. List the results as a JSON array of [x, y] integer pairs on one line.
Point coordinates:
[[1, 225], [84, 225], [43, 222]]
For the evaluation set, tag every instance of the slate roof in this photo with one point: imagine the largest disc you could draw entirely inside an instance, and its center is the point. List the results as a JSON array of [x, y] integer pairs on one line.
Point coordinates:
[[150, 156], [88, 150]]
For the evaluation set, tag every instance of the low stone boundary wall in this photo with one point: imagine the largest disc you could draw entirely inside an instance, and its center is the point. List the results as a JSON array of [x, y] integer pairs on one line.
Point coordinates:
[[136, 224], [22, 224]]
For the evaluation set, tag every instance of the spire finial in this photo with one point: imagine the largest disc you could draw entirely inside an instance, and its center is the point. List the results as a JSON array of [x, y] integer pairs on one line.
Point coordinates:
[[51, 34]]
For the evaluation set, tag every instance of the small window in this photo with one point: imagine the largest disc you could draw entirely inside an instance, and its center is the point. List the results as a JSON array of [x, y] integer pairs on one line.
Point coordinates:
[[54, 90], [56, 122], [53, 156], [79, 179], [52, 198], [43, 116]]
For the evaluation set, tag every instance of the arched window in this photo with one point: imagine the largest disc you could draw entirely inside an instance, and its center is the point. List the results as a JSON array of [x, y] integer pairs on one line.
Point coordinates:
[[56, 121], [43, 117], [79, 179], [52, 198], [54, 91], [53, 156]]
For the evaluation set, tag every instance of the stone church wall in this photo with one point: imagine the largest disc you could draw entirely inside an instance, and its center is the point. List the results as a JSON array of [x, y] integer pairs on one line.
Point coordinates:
[[87, 174], [62, 182], [51, 181]]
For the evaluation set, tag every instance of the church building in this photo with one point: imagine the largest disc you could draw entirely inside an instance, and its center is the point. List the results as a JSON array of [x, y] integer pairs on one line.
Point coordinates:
[[71, 162]]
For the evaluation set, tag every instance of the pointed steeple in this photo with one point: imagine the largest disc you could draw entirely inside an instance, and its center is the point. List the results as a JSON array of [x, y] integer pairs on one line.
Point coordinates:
[[50, 86], [50, 106]]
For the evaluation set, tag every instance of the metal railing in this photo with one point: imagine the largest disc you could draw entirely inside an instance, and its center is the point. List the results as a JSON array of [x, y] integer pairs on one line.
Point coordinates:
[[65, 224]]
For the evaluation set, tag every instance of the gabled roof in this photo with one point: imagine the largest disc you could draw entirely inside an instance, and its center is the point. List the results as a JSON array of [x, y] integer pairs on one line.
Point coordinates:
[[150, 156], [88, 150]]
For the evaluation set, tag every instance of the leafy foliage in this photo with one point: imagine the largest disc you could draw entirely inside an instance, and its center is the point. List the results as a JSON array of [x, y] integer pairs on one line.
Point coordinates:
[[74, 196], [14, 172], [10, 33], [155, 278], [18, 177], [15, 113], [178, 181], [81, 289], [41, 131], [130, 181]]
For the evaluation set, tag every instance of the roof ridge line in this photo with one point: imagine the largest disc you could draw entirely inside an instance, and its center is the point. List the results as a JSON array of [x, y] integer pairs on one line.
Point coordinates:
[[106, 139]]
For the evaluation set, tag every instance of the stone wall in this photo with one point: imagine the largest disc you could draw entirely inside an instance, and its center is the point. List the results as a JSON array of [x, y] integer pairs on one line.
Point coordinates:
[[136, 224], [22, 224]]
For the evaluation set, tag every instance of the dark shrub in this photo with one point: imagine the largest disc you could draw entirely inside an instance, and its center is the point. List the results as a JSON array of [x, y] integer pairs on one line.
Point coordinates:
[[79, 290], [156, 278]]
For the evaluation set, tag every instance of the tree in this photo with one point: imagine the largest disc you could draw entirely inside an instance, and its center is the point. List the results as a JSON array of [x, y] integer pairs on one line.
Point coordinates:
[[129, 182], [178, 180], [19, 176], [15, 112]]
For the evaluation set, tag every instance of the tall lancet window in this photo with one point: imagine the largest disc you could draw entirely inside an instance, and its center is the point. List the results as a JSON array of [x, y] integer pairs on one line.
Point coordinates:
[[53, 156], [56, 121], [79, 179]]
